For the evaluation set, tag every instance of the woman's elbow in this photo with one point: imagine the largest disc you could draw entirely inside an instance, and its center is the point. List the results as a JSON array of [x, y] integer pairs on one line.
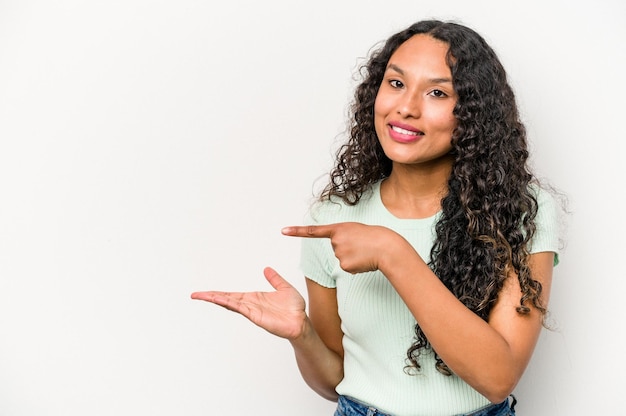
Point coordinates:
[[498, 391], [327, 393]]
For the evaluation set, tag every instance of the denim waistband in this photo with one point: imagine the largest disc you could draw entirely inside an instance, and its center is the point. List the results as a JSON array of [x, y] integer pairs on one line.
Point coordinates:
[[497, 409], [348, 406]]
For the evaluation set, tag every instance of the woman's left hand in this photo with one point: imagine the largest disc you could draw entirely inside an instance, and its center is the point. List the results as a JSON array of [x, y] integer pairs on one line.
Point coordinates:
[[359, 247]]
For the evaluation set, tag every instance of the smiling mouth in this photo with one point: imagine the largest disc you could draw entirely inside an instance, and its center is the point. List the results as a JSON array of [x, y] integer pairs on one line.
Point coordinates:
[[407, 132]]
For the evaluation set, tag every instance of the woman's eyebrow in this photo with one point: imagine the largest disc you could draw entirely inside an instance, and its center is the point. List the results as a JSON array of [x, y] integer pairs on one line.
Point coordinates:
[[440, 80], [437, 80], [395, 68]]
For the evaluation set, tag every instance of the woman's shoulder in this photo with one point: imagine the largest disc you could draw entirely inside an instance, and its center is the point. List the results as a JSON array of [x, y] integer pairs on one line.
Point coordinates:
[[335, 209], [548, 199], [549, 220]]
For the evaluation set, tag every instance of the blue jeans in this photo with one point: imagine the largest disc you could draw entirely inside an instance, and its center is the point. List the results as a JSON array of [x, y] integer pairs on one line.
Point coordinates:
[[349, 407]]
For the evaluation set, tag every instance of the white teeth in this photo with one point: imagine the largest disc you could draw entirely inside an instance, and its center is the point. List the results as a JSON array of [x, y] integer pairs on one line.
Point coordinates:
[[403, 131]]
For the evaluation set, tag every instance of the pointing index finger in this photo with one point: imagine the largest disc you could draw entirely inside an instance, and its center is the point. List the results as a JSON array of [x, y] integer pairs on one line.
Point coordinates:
[[309, 231]]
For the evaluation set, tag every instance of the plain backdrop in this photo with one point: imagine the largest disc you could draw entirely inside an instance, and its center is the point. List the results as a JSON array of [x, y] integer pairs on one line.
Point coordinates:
[[149, 149]]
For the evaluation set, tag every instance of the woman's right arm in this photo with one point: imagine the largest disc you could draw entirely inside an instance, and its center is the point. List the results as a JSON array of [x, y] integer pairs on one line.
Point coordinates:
[[319, 350], [316, 340]]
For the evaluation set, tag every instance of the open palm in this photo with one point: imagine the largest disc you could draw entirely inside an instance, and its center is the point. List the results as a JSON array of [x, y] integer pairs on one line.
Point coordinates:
[[281, 312]]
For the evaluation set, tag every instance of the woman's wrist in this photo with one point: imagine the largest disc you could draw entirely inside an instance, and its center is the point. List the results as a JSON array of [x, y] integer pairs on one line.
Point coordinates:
[[304, 335], [394, 252]]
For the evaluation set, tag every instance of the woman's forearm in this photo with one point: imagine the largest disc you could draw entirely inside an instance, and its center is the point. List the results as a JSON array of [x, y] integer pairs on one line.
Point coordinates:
[[321, 368], [490, 356]]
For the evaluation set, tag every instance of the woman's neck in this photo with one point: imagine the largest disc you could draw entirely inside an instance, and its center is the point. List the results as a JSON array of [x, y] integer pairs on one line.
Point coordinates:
[[415, 192]]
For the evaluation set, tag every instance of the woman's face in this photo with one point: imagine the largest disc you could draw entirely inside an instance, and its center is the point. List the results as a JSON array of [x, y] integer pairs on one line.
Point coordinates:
[[413, 109]]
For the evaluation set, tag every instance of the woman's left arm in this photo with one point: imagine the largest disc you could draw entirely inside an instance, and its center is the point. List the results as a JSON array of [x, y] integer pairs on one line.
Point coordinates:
[[490, 356]]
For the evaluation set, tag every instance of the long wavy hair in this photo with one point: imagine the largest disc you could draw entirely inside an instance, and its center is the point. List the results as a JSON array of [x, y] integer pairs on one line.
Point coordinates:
[[489, 210]]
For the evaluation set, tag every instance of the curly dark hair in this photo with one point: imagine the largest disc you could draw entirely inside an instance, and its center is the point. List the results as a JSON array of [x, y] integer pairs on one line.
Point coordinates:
[[488, 213]]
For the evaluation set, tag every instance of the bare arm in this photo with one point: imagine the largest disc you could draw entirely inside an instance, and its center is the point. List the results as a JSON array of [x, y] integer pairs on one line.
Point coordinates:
[[319, 352], [282, 313], [490, 356]]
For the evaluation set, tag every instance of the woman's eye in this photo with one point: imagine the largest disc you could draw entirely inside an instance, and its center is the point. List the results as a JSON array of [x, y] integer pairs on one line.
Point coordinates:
[[396, 84], [438, 93]]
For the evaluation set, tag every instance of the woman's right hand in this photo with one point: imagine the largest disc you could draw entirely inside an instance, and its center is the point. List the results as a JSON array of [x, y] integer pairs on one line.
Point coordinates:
[[281, 312]]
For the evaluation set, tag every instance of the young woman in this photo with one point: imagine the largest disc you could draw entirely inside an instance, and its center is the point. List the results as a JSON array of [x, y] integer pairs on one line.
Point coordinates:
[[429, 254]]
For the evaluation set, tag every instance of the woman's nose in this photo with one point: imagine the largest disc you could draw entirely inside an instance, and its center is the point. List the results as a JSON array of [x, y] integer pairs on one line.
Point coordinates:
[[410, 105]]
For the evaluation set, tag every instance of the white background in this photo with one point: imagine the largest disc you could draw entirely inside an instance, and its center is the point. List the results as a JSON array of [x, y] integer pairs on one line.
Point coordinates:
[[149, 149]]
